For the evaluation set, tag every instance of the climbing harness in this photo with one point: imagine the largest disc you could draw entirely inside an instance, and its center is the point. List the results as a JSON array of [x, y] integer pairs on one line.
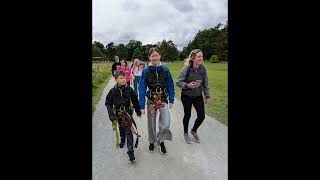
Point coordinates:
[[125, 120]]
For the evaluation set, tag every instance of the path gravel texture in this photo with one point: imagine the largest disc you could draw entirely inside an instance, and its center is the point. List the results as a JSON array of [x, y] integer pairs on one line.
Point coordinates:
[[205, 160]]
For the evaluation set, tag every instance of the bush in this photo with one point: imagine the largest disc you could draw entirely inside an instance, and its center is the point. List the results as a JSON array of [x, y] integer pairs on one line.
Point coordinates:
[[214, 59]]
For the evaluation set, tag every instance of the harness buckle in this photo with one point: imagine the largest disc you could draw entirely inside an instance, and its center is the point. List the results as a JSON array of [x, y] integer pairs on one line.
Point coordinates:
[[158, 90], [122, 109]]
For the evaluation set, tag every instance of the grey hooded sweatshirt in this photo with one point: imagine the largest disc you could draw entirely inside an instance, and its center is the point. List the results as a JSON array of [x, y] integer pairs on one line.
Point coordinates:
[[199, 73]]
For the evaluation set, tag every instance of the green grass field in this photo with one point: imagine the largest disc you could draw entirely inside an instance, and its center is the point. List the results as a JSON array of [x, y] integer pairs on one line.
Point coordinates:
[[218, 80], [101, 73]]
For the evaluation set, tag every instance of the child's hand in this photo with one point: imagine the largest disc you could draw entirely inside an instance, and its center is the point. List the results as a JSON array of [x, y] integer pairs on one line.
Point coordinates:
[[138, 113], [170, 105], [142, 111]]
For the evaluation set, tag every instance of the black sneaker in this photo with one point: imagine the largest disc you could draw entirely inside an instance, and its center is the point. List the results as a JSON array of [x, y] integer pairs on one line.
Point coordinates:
[[131, 156], [151, 147], [122, 143], [163, 148]]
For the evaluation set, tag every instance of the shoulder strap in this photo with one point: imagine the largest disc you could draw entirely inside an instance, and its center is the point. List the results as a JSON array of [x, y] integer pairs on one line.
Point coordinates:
[[188, 72]]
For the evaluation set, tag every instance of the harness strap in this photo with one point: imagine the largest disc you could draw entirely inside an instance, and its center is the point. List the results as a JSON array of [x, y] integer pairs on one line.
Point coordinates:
[[127, 121]]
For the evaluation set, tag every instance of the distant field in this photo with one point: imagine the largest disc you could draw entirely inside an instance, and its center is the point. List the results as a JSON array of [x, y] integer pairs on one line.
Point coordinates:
[[101, 73]]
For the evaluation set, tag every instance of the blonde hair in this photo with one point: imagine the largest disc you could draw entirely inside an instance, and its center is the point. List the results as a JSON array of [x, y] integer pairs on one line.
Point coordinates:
[[188, 61], [135, 63]]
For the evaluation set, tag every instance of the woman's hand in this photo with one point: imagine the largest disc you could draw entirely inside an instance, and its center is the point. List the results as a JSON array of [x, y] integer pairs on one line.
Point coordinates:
[[192, 85], [170, 105]]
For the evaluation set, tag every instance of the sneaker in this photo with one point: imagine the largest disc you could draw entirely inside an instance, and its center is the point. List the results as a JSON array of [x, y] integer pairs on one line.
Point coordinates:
[[131, 156], [186, 138], [195, 136], [151, 147], [163, 148]]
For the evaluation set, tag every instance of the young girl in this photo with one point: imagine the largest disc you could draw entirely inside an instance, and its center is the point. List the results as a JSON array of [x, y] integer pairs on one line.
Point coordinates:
[[160, 84], [137, 71], [193, 80], [127, 70]]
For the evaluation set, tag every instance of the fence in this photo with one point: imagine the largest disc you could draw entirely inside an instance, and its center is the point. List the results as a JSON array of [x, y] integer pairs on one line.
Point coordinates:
[[100, 59]]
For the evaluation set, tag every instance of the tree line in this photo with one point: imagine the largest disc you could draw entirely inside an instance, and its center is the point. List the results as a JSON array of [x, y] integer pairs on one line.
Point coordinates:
[[213, 42]]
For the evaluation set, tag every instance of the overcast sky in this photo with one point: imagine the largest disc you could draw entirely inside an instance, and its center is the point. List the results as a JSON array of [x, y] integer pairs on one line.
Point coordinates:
[[151, 21]]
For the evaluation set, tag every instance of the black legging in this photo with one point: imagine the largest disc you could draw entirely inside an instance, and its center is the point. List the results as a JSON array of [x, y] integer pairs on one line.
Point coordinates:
[[198, 104]]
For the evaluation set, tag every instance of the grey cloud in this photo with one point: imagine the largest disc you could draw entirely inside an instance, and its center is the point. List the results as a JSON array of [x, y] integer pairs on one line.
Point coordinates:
[[152, 21], [181, 5], [125, 37], [130, 5]]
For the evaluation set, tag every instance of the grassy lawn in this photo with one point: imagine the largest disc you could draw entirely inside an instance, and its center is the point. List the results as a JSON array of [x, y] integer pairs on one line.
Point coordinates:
[[101, 73], [218, 80]]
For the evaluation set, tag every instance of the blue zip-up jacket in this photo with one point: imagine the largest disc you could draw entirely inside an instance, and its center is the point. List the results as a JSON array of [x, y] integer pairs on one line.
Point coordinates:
[[143, 85]]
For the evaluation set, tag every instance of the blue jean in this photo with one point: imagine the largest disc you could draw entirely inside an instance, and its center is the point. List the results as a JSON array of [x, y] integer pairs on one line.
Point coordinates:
[[136, 82]]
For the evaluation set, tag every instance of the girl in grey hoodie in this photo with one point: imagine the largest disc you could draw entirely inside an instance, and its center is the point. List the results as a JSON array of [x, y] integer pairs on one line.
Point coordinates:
[[193, 79]]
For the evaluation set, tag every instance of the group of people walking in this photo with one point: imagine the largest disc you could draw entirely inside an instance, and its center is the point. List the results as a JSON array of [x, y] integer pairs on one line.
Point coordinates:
[[154, 92]]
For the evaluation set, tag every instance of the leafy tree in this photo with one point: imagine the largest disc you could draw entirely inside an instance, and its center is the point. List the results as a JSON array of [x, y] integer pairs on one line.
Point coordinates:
[[214, 59]]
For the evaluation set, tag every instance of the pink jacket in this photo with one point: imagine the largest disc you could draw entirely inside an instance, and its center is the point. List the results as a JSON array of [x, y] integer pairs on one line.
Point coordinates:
[[127, 71]]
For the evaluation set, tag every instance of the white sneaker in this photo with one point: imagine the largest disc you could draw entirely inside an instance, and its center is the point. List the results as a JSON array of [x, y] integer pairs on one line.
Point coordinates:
[[186, 138]]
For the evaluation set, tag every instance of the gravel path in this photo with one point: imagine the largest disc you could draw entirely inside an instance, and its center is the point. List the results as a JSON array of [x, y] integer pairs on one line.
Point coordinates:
[[207, 160]]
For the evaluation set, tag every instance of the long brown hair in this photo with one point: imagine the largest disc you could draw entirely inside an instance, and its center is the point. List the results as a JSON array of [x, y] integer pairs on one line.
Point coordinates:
[[124, 62], [192, 55]]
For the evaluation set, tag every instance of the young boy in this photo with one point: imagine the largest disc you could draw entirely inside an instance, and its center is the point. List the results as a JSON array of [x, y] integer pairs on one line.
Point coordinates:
[[118, 102]]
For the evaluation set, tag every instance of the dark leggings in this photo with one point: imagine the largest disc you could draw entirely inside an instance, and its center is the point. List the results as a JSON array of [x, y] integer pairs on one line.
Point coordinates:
[[198, 104]]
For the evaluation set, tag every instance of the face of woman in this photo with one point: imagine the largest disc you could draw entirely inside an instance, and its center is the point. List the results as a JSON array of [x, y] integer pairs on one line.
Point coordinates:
[[198, 59], [138, 62], [117, 59], [155, 58], [123, 64]]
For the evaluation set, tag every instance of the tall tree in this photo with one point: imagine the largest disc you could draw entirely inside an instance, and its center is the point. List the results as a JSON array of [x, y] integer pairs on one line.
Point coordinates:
[[138, 53], [96, 52], [110, 51], [98, 45], [213, 41], [169, 51], [131, 46], [121, 51]]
